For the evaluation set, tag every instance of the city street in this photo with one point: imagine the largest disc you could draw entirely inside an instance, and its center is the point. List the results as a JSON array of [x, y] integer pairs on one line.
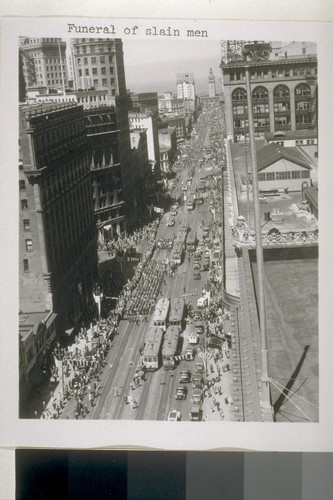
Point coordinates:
[[154, 396]]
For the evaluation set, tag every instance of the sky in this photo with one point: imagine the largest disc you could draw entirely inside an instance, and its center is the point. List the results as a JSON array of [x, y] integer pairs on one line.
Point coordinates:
[[152, 65]]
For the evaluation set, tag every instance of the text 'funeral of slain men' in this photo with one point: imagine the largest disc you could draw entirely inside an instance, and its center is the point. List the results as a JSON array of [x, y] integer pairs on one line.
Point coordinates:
[[134, 30]]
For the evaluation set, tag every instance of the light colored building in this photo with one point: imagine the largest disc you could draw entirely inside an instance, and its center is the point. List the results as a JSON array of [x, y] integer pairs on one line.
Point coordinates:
[[282, 169], [292, 49], [44, 62], [185, 86], [148, 122], [167, 138], [145, 184]]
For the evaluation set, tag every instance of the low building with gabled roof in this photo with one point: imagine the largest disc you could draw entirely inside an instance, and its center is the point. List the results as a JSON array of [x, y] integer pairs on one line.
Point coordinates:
[[282, 169]]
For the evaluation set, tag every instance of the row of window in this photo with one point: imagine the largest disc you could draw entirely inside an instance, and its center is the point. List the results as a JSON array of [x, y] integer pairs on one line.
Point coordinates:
[[274, 73], [280, 91], [92, 49], [93, 60], [280, 176], [96, 71]]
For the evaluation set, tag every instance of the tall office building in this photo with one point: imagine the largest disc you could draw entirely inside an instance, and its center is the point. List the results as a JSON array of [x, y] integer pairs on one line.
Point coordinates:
[[44, 62], [185, 86], [58, 240], [99, 64]]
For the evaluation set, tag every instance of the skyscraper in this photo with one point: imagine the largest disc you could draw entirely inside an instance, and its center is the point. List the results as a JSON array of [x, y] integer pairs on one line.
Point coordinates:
[[44, 62], [185, 86]]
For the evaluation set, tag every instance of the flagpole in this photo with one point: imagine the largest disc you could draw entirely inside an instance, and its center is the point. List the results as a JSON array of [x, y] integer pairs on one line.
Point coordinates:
[[265, 397]]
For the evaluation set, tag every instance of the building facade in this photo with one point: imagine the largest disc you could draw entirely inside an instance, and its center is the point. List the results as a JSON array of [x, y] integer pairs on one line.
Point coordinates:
[[44, 62], [99, 64], [145, 183], [104, 155], [167, 138], [148, 121], [58, 238], [284, 95], [185, 86], [282, 169]]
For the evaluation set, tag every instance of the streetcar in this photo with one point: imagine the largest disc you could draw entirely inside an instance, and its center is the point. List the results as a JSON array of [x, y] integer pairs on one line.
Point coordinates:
[[191, 241], [177, 252], [177, 312], [152, 349], [161, 312], [170, 347]]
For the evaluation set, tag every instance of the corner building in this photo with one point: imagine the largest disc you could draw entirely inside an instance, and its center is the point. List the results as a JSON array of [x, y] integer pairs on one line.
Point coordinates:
[[58, 238], [284, 95]]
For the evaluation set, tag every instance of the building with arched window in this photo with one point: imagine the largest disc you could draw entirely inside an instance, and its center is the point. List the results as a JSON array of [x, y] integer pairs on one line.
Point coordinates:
[[284, 95]]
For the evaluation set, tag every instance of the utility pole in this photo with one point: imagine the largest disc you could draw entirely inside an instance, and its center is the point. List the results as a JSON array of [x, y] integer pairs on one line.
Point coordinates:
[[266, 401]]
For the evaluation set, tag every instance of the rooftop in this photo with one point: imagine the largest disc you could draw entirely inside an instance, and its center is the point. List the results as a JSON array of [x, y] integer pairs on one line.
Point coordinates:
[[29, 322], [274, 152], [269, 62]]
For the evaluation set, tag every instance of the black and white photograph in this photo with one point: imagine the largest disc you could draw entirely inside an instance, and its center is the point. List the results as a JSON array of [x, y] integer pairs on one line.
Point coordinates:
[[168, 227], [167, 276]]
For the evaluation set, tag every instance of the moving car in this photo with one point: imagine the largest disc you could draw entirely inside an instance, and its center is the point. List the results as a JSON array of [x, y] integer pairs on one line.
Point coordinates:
[[196, 413], [198, 381], [200, 366], [181, 392], [174, 416], [185, 377], [202, 302], [197, 396]]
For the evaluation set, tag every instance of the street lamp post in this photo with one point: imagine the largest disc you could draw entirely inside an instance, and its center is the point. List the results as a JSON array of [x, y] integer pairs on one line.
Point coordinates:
[[61, 368], [266, 402]]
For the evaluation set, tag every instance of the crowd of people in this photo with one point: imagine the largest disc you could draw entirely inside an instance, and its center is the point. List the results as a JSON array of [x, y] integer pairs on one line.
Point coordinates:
[[82, 362], [145, 294]]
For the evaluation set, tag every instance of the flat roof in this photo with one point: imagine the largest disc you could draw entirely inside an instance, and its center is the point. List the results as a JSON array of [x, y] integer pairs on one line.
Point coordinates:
[[29, 322]]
